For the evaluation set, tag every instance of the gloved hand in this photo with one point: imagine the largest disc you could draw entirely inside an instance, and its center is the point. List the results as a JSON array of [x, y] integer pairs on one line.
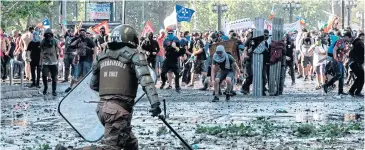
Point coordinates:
[[155, 109]]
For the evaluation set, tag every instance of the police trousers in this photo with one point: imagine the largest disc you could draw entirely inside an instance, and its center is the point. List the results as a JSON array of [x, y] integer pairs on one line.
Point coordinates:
[[117, 122]]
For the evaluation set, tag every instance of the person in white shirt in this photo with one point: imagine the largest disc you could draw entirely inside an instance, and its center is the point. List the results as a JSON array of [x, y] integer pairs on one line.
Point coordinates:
[[307, 48], [319, 61]]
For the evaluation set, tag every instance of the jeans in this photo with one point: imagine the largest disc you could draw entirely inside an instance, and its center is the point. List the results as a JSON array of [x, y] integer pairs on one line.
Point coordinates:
[[337, 69], [34, 66], [290, 65], [67, 60], [84, 68], [46, 69], [5, 62]]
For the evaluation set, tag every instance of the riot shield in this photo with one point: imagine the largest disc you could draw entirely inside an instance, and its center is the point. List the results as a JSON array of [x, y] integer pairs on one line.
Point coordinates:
[[79, 105]]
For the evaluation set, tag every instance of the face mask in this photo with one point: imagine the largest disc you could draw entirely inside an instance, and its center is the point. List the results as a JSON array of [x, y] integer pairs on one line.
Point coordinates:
[[103, 32], [170, 36]]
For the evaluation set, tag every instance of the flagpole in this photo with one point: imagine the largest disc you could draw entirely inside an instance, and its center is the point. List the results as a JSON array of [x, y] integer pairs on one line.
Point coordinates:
[[195, 16]]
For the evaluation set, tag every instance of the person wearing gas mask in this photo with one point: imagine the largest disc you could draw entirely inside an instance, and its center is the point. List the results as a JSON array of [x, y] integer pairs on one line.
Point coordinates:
[[151, 47], [102, 39], [50, 51], [173, 52], [86, 52]]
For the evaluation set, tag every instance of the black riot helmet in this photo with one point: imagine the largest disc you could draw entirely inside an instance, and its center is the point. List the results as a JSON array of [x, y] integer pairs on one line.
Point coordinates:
[[123, 35]]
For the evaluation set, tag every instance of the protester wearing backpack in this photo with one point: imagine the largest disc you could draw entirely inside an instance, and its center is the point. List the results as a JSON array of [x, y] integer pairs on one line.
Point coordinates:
[[336, 63], [50, 51]]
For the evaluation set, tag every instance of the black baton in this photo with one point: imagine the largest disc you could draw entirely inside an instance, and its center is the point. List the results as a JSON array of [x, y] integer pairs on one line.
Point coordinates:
[[164, 107], [168, 125]]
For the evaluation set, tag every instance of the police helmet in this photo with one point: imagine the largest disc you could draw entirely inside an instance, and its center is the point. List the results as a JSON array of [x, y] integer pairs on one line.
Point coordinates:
[[123, 35]]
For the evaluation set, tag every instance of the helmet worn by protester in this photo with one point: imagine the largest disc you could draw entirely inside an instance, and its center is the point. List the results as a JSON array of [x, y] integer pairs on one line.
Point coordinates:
[[123, 35]]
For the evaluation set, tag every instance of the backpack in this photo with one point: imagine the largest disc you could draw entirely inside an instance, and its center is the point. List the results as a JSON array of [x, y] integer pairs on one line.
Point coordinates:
[[334, 40], [276, 51]]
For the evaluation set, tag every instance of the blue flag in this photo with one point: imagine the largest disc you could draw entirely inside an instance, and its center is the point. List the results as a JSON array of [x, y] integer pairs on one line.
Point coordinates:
[[46, 22], [183, 14]]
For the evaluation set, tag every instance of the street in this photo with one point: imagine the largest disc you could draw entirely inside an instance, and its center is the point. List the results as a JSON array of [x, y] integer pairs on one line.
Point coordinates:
[[300, 118]]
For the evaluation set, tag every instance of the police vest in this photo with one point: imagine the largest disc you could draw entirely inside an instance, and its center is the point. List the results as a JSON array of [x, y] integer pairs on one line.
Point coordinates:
[[117, 75]]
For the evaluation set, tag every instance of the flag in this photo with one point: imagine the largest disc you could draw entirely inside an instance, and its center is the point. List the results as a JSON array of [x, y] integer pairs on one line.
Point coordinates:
[[46, 23], [272, 13], [147, 28], [183, 14], [170, 21], [104, 24]]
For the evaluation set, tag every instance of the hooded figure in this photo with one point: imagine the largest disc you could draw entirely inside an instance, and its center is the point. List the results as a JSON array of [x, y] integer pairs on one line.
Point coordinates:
[[220, 58], [48, 38]]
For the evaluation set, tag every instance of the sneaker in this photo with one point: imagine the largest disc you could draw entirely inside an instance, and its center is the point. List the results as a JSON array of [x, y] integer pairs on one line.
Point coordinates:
[[359, 95], [342, 93], [215, 99], [169, 87], [306, 78], [318, 87], [162, 85], [54, 93], [44, 92], [300, 76], [68, 90], [64, 81], [325, 88]]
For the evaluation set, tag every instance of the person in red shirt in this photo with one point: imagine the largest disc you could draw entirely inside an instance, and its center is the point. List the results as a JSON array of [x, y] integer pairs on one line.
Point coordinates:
[[161, 54]]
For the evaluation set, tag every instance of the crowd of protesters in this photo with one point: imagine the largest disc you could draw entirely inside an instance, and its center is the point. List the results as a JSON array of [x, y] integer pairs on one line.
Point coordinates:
[[326, 57]]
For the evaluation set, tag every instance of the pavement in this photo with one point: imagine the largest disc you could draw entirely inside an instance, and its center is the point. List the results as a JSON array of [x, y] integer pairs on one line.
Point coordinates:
[[34, 123]]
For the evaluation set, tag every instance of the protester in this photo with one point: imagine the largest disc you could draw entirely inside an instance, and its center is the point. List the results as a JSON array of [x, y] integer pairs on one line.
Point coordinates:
[[356, 64], [50, 51], [35, 52]]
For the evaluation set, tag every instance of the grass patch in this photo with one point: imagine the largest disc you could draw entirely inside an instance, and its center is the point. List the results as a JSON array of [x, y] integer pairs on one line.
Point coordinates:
[[331, 130], [260, 126]]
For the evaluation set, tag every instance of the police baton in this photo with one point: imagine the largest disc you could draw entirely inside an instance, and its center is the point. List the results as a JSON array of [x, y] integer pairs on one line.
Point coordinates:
[[172, 129]]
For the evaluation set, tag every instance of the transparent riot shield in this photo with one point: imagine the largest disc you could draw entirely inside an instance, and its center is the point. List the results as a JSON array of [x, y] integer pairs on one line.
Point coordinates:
[[79, 105]]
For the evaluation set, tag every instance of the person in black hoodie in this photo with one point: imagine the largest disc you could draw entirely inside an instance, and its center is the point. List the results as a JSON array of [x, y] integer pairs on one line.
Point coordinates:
[[151, 47], [356, 64], [49, 54]]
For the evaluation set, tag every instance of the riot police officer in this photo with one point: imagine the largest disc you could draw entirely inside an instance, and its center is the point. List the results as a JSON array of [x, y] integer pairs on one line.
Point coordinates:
[[116, 76]]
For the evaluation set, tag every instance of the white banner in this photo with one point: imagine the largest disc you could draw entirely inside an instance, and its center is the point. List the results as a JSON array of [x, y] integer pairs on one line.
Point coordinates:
[[246, 23]]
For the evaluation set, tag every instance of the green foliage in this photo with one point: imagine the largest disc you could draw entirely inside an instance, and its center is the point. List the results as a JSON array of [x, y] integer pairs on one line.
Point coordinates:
[[327, 130], [260, 126], [161, 130]]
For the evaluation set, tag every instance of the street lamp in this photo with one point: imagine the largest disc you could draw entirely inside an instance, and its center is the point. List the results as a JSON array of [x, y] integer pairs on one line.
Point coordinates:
[[360, 16], [219, 9], [291, 6], [349, 4]]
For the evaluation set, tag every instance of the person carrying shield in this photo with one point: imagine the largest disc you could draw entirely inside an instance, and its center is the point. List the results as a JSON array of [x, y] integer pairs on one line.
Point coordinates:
[[115, 75]]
